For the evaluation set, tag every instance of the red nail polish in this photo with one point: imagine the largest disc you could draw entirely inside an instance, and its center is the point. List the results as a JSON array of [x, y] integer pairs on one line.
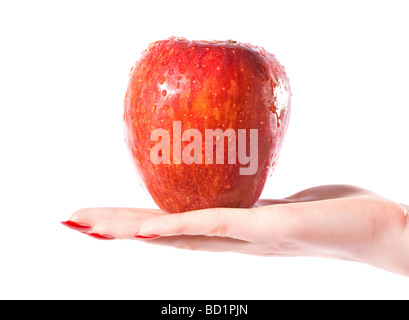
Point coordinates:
[[100, 236], [149, 236], [76, 226]]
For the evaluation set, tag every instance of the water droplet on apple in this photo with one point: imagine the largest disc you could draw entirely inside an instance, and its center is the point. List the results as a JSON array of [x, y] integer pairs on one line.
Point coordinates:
[[164, 93], [197, 66], [165, 108], [130, 71], [162, 80], [153, 45], [171, 72], [162, 43], [273, 78]]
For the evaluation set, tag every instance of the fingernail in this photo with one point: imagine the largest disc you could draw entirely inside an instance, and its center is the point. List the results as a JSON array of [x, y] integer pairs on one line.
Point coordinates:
[[100, 236], [146, 237], [76, 226]]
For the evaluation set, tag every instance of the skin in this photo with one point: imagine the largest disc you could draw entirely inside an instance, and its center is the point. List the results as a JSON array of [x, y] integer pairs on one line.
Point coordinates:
[[333, 221]]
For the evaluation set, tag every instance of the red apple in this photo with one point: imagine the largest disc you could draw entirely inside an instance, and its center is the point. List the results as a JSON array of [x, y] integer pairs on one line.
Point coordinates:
[[205, 122]]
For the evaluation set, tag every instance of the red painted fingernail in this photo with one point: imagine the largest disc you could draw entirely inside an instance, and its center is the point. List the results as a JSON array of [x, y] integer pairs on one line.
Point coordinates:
[[100, 236], [146, 237], [76, 226]]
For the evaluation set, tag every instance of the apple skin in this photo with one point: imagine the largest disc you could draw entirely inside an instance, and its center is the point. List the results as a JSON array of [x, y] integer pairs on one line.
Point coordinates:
[[205, 85]]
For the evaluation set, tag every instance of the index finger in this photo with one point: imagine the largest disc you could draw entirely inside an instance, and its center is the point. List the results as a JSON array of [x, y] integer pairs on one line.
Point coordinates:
[[216, 222]]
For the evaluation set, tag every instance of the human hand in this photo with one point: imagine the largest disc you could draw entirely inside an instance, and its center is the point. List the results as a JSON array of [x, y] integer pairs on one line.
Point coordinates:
[[334, 221]]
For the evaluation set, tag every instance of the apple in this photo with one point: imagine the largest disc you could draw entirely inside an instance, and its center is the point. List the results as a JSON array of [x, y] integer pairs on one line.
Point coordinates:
[[205, 122]]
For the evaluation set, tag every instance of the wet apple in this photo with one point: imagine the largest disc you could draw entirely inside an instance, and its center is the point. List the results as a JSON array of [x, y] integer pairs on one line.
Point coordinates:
[[205, 122]]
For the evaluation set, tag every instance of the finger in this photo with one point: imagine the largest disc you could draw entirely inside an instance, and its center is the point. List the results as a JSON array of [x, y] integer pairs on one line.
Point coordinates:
[[219, 222], [317, 193], [325, 192], [217, 244], [204, 243], [126, 228], [90, 216], [118, 228]]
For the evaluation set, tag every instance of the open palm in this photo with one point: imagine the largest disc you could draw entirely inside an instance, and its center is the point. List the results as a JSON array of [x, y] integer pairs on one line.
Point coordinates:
[[334, 221]]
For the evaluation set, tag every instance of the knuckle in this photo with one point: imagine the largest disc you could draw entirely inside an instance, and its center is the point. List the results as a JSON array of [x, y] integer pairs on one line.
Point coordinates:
[[219, 225], [186, 246], [219, 230], [79, 214], [101, 228]]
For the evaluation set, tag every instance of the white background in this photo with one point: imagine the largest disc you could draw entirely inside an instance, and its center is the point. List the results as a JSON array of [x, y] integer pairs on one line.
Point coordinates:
[[63, 74]]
